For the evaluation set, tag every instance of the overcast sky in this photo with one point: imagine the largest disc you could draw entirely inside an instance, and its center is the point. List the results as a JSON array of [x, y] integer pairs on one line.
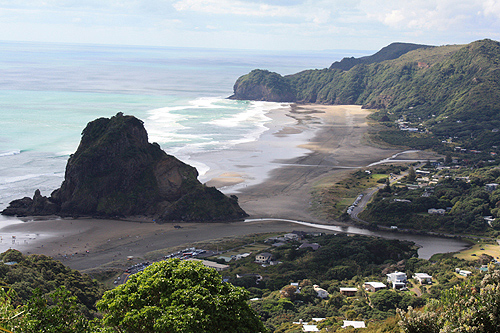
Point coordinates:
[[251, 24]]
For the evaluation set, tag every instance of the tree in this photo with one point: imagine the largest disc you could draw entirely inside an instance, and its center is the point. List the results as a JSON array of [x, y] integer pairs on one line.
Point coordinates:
[[464, 308], [178, 296], [57, 312], [412, 176]]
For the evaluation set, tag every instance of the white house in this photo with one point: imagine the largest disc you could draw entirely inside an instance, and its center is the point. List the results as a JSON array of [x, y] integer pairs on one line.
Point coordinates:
[[397, 279], [355, 324], [310, 328], [491, 187], [423, 278], [322, 293], [463, 272], [374, 286]]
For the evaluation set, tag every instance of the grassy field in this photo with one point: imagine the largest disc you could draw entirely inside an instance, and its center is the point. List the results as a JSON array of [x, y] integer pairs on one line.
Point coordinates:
[[473, 253], [331, 197]]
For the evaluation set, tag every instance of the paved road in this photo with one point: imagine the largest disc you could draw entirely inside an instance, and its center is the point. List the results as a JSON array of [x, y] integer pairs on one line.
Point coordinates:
[[368, 194]]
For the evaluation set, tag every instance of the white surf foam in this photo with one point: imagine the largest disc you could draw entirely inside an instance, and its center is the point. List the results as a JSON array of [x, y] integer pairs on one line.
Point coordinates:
[[255, 114], [10, 153]]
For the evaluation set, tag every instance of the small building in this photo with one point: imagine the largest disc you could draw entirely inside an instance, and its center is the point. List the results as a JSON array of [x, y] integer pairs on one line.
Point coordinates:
[[374, 286], [349, 292], [463, 272], [310, 328], [423, 278], [321, 293], [218, 267], [300, 233], [263, 258], [436, 211], [491, 187], [313, 246], [355, 324], [291, 236], [242, 255], [397, 279]]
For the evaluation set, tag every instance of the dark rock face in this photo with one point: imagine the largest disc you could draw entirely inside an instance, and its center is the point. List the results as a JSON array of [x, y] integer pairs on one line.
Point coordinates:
[[115, 172]]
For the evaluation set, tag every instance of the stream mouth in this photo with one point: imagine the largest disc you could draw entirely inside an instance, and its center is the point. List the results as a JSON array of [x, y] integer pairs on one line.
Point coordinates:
[[428, 245]]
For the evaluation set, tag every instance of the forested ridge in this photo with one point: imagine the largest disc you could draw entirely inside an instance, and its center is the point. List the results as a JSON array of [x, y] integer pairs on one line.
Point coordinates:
[[447, 91]]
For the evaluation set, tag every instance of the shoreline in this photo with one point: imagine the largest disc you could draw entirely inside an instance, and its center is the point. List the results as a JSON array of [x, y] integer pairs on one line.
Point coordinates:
[[272, 177]]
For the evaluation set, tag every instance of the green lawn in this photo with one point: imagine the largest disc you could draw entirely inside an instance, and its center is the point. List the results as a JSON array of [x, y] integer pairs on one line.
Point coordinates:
[[475, 251]]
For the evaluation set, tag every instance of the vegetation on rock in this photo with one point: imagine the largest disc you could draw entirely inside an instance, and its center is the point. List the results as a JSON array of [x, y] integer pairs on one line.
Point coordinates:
[[116, 172]]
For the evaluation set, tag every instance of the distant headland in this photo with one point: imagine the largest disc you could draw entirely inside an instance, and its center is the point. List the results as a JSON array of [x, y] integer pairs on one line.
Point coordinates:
[[446, 92]]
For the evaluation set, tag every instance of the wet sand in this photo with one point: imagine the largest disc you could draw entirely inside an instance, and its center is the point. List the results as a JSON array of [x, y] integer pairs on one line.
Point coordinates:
[[307, 143]]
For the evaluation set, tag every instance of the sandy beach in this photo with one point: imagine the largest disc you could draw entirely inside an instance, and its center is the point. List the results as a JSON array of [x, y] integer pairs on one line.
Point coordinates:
[[272, 177]]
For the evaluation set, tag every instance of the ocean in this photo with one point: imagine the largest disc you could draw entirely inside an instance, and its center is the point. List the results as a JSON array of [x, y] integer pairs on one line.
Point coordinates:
[[49, 92]]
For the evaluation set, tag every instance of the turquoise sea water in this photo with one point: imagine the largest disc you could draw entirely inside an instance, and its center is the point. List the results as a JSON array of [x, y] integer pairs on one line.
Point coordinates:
[[49, 92]]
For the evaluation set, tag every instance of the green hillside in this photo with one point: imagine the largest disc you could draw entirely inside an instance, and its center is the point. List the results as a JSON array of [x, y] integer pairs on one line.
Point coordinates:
[[447, 91]]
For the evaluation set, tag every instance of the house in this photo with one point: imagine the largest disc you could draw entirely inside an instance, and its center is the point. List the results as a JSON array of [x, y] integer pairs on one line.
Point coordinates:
[[349, 292], [436, 211], [225, 258], [374, 286], [242, 255], [218, 267], [321, 293], [296, 285], [313, 246], [397, 279], [263, 258], [423, 278], [355, 324], [463, 272], [310, 328], [291, 236], [491, 187], [300, 233]]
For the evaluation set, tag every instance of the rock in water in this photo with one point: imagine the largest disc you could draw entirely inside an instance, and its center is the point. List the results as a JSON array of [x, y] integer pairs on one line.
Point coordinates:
[[116, 172]]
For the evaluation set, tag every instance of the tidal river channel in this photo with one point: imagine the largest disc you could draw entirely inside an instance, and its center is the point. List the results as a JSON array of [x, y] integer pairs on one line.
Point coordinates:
[[428, 245]]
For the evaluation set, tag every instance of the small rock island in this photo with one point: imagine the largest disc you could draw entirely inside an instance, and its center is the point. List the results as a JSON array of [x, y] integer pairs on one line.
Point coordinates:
[[117, 173]]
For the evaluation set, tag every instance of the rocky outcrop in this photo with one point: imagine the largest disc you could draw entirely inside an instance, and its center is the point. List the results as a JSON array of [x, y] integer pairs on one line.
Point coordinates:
[[263, 85], [116, 172]]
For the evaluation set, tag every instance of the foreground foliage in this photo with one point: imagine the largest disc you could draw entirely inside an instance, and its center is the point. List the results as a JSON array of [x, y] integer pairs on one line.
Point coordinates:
[[469, 307], [178, 296]]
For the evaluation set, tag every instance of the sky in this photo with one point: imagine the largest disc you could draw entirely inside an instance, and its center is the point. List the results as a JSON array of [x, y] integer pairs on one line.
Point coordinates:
[[251, 24]]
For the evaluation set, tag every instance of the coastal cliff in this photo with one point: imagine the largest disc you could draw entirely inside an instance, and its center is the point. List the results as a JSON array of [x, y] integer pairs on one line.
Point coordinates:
[[263, 85], [116, 172], [449, 91]]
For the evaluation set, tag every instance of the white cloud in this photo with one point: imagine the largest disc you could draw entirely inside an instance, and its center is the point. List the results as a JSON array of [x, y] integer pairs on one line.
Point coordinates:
[[317, 23], [226, 7], [491, 7], [428, 15]]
